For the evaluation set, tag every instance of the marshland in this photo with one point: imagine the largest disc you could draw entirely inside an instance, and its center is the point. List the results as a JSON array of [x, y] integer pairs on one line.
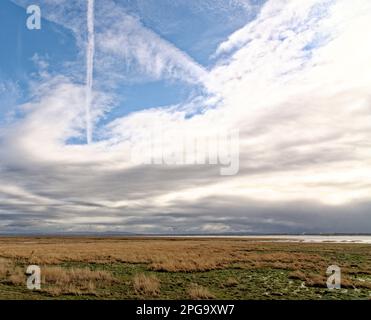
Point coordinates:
[[182, 268]]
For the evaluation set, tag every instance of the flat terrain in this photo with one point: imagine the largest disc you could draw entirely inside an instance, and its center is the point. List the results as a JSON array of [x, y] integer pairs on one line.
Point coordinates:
[[181, 268]]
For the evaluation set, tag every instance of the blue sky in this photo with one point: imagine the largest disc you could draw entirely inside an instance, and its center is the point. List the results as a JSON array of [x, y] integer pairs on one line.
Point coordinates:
[[290, 77], [20, 46]]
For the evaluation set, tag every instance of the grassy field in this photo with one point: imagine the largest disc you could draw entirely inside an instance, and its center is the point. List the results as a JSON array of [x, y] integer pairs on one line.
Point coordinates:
[[176, 268]]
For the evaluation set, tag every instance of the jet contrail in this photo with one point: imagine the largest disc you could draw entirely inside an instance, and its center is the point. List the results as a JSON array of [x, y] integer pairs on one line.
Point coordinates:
[[89, 70]]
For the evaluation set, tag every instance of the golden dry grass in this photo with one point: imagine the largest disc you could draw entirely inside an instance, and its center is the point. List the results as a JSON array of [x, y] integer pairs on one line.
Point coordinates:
[[146, 285], [17, 277], [231, 282], [161, 254], [180, 255], [11, 273], [6, 266], [58, 280], [59, 275], [197, 292]]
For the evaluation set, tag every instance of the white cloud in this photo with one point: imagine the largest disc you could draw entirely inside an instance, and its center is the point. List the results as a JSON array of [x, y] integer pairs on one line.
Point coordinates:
[[215, 227], [140, 48], [295, 82]]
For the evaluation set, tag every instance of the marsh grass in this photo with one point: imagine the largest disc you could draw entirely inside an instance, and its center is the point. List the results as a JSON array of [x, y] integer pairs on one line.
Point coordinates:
[[231, 282], [197, 292], [146, 285], [77, 281], [225, 268]]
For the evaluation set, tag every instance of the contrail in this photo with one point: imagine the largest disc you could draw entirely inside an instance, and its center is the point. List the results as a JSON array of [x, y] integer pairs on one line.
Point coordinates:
[[89, 70]]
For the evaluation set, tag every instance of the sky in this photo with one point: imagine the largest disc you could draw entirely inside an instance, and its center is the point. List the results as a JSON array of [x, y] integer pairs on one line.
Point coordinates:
[[288, 82]]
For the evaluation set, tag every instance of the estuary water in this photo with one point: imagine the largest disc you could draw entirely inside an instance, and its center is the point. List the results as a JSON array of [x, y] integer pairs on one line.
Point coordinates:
[[300, 238]]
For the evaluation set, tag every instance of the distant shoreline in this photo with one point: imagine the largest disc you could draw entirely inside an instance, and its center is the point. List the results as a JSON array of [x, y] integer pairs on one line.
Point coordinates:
[[314, 238], [123, 234]]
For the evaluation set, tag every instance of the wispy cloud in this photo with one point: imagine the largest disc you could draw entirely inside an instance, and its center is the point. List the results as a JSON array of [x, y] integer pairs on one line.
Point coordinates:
[[139, 51]]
